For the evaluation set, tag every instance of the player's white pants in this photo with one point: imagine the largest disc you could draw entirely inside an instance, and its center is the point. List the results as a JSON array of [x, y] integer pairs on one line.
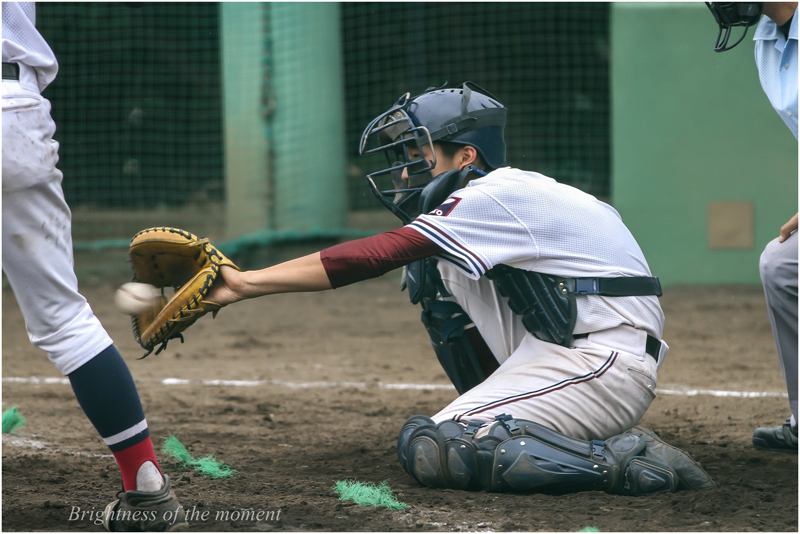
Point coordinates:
[[37, 235], [599, 388]]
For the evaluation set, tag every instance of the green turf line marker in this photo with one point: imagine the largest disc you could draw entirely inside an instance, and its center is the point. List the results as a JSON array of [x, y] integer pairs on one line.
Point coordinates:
[[12, 420], [207, 466], [588, 529], [367, 494]]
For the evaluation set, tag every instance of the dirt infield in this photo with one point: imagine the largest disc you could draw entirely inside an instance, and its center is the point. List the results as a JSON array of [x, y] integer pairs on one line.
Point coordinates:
[[320, 398]]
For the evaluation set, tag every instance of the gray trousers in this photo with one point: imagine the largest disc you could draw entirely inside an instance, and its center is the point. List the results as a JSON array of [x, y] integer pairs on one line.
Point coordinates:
[[778, 267]]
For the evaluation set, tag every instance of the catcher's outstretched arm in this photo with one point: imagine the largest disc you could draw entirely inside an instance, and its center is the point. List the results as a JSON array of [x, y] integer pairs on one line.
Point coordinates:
[[303, 274], [357, 260], [333, 267]]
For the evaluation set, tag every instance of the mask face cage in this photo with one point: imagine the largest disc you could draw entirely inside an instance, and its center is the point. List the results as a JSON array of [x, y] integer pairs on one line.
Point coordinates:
[[392, 133], [731, 14]]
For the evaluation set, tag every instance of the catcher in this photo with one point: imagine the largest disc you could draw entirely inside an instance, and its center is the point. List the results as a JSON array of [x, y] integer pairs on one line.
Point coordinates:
[[538, 301]]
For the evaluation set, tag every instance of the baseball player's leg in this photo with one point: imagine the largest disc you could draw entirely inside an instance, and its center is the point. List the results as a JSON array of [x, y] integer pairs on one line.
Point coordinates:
[[521, 455], [516, 453], [778, 268], [106, 392], [591, 392], [37, 241], [38, 262], [553, 417]]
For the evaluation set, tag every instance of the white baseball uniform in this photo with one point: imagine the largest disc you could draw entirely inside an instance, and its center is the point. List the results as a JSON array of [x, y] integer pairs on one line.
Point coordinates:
[[601, 385], [37, 239]]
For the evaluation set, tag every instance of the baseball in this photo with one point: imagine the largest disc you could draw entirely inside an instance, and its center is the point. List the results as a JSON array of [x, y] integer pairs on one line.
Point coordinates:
[[134, 298]]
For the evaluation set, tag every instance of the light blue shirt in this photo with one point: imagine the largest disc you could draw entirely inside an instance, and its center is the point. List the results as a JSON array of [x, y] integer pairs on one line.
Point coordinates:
[[776, 59]]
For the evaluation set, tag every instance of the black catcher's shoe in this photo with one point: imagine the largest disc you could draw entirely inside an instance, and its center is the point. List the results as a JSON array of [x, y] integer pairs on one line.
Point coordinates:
[[781, 438]]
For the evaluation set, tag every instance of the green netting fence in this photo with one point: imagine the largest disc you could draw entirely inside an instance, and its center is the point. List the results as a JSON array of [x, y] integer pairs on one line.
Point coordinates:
[[242, 120]]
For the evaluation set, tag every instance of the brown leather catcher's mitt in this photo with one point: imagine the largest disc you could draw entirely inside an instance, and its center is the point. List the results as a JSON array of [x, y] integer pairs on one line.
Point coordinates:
[[169, 257]]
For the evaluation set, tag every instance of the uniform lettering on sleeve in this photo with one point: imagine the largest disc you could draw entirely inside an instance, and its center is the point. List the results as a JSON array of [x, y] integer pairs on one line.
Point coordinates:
[[446, 207]]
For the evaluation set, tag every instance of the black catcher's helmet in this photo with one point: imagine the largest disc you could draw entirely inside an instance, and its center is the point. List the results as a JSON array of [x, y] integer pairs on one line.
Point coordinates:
[[467, 115], [730, 14]]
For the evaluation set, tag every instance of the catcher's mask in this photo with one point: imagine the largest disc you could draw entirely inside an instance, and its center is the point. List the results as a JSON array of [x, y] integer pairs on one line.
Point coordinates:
[[467, 115], [730, 14]]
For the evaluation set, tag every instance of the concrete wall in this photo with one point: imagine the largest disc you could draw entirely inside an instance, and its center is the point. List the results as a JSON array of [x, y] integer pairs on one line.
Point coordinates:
[[704, 172]]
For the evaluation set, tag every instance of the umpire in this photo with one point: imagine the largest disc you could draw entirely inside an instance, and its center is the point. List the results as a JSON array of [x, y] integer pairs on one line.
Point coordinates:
[[776, 59]]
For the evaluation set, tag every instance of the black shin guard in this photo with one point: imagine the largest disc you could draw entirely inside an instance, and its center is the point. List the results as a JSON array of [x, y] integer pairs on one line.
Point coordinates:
[[519, 455]]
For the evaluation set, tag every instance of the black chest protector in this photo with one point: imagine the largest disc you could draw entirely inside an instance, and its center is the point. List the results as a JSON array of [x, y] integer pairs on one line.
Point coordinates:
[[548, 309], [547, 303]]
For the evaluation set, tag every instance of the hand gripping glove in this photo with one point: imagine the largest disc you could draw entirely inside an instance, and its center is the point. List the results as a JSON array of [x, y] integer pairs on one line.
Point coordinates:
[[169, 257]]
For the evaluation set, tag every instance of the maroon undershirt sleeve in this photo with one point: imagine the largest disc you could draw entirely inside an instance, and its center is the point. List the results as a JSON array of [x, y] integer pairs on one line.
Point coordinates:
[[371, 257]]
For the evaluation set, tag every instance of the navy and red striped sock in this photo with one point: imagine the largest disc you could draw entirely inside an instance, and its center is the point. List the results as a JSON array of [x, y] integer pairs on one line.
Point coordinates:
[[107, 394]]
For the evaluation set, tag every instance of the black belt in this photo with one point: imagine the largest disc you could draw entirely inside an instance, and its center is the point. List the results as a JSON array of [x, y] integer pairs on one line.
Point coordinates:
[[652, 347], [10, 71], [624, 286]]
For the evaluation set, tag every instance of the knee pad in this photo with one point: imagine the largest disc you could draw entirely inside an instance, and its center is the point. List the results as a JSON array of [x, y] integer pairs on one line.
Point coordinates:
[[438, 456], [405, 433]]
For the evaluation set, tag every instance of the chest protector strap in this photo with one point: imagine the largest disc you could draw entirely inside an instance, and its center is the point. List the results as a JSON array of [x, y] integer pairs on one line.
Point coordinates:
[[547, 303]]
